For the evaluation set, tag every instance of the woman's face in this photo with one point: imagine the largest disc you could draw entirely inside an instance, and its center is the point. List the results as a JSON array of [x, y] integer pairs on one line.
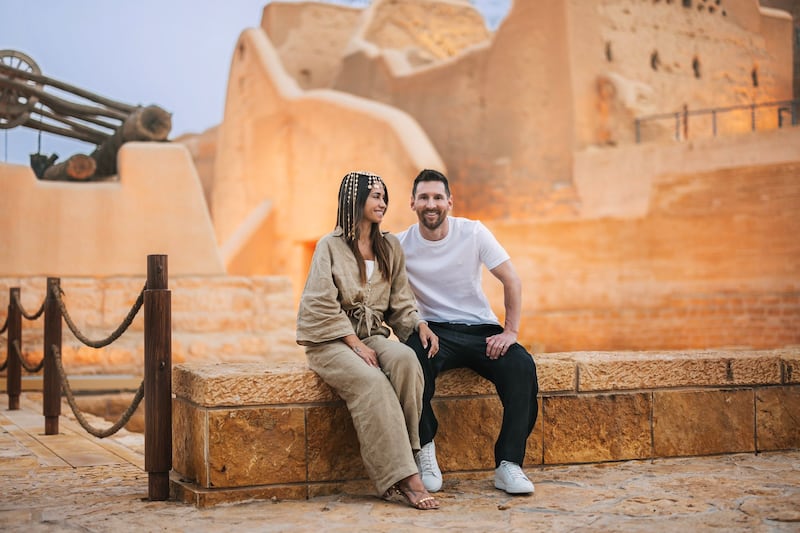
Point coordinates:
[[375, 206]]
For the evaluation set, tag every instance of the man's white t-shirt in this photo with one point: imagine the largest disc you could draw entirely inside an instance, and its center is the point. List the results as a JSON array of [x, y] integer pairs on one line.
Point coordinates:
[[445, 275]]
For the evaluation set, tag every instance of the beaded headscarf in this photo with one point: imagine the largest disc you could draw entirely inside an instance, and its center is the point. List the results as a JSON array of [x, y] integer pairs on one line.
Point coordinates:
[[349, 198]]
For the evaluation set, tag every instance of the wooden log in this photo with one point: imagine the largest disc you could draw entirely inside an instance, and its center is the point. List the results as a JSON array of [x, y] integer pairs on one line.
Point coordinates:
[[93, 138], [78, 167], [67, 88], [60, 105], [150, 123]]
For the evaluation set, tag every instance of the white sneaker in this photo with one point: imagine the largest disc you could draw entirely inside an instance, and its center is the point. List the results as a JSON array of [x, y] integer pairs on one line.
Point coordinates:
[[510, 478], [429, 468]]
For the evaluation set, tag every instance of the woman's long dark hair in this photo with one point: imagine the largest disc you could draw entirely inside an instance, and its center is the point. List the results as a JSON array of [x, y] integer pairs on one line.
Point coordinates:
[[353, 193]]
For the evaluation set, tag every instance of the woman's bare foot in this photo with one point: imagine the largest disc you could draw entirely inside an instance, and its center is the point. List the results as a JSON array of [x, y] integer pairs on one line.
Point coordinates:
[[414, 491]]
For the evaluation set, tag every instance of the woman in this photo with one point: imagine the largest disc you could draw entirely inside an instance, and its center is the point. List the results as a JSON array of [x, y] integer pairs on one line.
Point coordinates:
[[357, 286]]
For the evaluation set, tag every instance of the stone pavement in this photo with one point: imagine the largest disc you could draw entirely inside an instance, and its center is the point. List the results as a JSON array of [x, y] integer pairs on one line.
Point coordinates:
[[74, 482]]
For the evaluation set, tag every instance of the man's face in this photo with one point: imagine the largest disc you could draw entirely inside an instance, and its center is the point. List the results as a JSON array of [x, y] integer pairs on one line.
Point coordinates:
[[431, 203]]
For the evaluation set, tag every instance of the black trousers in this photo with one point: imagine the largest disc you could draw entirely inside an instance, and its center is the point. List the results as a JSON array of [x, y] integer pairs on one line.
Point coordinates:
[[513, 375]]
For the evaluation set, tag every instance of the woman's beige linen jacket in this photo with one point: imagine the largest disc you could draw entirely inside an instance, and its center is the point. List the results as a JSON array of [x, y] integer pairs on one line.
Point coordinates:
[[335, 303]]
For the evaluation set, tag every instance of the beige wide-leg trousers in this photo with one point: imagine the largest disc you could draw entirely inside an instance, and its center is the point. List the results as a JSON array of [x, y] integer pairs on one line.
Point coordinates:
[[385, 403]]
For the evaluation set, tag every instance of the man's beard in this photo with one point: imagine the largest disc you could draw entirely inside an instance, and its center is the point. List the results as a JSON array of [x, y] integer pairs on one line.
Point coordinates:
[[432, 225]]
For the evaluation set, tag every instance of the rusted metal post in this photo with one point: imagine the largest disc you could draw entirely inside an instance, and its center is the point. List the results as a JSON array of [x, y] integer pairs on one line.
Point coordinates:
[[157, 378], [51, 382], [14, 332]]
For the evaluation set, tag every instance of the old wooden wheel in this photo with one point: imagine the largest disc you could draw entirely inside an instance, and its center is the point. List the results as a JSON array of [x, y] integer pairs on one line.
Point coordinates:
[[16, 104]]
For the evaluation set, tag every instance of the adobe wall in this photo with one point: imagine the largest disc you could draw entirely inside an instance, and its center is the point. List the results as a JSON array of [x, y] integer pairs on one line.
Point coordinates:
[[687, 245], [630, 59], [310, 38], [500, 113], [108, 228], [282, 153]]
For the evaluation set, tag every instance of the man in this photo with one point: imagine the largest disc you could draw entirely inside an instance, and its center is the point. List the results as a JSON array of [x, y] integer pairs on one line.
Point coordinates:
[[444, 257]]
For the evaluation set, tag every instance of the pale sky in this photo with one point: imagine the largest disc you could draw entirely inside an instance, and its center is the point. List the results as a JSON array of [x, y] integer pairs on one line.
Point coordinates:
[[173, 53]]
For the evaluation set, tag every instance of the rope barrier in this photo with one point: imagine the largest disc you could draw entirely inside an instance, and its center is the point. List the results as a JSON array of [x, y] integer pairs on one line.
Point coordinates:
[[33, 316], [157, 362], [99, 433], [24, 362], [111, 338]]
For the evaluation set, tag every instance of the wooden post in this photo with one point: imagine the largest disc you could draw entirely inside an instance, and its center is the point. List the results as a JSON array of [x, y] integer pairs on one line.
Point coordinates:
[[14, 332], [51, 382], [157, 378]]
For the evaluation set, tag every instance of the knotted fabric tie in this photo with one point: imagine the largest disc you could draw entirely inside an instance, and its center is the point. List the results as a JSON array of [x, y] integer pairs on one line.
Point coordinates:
[[365, 316]]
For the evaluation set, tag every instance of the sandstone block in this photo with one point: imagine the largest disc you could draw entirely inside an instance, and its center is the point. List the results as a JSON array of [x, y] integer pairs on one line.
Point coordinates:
[[83, 303], [258, 446], [556, 374], [791, 367], [467, 431], [702, 422], [755, 368], [333, 450], [462, 382], [189, 436], [201, 497], [595, 428], [117, 299], [238, 384], [777, 425], [645, 370]]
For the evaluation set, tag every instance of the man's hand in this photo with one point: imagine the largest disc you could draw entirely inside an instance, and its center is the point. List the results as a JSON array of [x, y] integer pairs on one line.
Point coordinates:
[[498, 345], [429, 339]]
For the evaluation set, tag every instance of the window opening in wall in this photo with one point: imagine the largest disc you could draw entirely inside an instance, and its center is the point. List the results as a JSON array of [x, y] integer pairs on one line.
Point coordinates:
[[754, 76], [696, 67], [687, 3], [609, 55], [654, 60], [711, 9]]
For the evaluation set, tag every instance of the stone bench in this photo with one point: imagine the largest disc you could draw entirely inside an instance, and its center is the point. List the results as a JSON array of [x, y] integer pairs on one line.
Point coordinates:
[[260, 431]]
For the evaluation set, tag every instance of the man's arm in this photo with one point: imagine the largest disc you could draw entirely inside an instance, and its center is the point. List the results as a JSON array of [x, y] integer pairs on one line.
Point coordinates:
[[497, 345]]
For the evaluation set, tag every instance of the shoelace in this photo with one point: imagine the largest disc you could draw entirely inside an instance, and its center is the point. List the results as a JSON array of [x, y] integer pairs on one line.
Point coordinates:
[[426, 459], [514, 471]]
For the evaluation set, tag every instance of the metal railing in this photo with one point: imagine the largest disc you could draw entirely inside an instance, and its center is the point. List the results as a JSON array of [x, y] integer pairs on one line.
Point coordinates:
[[155, 389], [788, 113]]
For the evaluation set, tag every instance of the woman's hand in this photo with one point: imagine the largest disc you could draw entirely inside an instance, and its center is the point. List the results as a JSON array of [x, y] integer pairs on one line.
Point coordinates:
[[362, 350], [429, 339], [367, 354]]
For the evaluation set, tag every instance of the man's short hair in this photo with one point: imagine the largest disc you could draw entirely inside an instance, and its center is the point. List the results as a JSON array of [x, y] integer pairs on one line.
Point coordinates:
[[430, 175]]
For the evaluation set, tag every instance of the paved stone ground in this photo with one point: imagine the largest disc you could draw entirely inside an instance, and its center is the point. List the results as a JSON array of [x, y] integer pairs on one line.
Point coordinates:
[[73, 482]]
